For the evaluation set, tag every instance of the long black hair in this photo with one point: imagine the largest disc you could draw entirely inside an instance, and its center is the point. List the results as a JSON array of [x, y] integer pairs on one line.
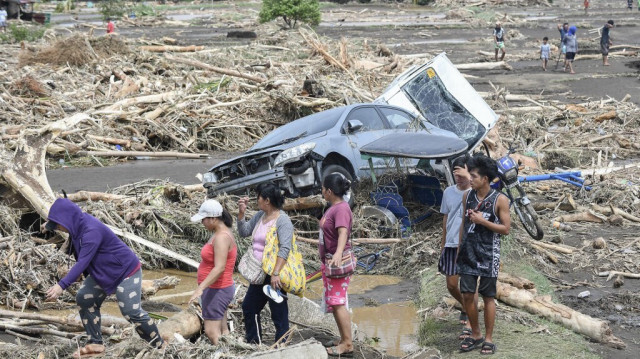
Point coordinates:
[[226, 218], [337, 183], [271, 192]]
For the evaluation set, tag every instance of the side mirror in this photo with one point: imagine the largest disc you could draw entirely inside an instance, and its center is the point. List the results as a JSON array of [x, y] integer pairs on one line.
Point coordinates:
[[354, 125]]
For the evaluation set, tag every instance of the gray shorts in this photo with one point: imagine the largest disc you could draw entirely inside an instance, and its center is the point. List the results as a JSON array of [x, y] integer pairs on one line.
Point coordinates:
[[3, 24], [215, 302], [604, 48]]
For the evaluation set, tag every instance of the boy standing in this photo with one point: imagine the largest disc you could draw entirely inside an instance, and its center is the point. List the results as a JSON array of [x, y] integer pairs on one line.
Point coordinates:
[[486, 218], [451, 208], [110, 26], [3, 19], [545, 52], [498, 39], [605, 42]]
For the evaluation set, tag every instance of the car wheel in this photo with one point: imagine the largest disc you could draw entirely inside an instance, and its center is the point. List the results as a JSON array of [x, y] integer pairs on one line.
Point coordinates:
[[330, 169]]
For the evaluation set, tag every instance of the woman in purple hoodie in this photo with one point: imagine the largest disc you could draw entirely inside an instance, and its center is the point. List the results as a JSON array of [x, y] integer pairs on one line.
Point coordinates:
[[109, 267]]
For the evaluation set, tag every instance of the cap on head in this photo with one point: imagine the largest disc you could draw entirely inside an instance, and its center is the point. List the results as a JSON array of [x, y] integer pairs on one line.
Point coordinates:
[[51, 226], [210, 208]]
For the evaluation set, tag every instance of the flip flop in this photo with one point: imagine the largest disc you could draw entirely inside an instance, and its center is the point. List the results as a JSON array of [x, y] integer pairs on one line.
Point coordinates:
[[463, 318], [333, 352], [331, 343]]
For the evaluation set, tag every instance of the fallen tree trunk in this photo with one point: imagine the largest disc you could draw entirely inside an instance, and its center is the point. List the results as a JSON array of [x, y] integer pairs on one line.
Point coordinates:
[[83, 196], [613, 273], [613, 210], [296, 204], [186, 323], [141, 154], [168, 48], [567, 203], [518, 282], [555, 247], [593, 328], [219, 70], [611, 54], [500, 65], [151, 287], [586, 216], [76, 324]]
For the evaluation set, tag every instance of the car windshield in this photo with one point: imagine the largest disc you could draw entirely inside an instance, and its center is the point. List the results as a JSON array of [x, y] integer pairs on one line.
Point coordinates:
[[439, 107], [306, 126]]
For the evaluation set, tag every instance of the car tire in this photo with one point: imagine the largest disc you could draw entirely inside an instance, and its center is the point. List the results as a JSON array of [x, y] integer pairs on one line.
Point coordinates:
[[343, 171]]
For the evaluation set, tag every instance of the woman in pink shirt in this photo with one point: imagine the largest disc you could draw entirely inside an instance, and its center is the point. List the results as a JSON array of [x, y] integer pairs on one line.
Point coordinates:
[[335, 227], [215, 281]]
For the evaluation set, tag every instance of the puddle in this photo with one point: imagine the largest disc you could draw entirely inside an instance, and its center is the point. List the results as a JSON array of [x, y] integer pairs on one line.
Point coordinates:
[[392, 321]]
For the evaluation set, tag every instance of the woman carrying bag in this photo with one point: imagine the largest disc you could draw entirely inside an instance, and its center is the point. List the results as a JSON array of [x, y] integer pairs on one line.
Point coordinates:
[[270, 221], [338, 262]]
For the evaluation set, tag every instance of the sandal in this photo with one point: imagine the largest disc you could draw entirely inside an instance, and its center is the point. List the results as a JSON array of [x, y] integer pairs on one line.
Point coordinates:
[[333, 352], [463, 318], [331, 343], [469, 344], [488, 348], [466, 332], [89, 351]]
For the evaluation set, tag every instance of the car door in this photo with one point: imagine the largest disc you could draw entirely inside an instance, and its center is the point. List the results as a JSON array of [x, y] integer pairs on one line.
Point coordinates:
[[373, 127]]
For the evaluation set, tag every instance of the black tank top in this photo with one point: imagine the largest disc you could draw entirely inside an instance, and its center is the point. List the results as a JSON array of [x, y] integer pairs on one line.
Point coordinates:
[[480, 248]]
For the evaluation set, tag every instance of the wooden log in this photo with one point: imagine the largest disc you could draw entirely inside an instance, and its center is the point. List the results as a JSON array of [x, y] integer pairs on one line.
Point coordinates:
[[499, 65], [567, 205], [613, 210], [118, 106], [185, 323], [613, 273], [151, 287], [162, 298], [593, 328], [51, 319], [169, 48], [555, 247], [142, 154], [219, 70], [552, 257], [83, 196], [586, 216], [38, 330], [452, 302], [518, 282], [606, 116], [611, 54], [297, 204]]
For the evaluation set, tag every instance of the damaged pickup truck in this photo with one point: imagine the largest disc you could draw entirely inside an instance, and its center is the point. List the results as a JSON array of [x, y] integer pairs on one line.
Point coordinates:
[[433, 98]]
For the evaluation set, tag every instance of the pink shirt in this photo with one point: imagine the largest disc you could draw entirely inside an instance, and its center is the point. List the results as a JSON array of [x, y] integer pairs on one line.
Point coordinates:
[[260, 238], [338, 215], [110, 27]]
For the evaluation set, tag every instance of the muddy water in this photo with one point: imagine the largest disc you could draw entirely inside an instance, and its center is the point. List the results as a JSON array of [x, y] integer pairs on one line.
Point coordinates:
[[392, 325]]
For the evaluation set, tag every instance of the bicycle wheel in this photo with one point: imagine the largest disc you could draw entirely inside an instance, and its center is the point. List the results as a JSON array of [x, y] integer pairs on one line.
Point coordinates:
[[529, 220]]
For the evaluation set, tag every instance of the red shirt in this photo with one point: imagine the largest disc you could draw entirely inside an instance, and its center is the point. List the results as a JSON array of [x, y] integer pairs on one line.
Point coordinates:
[[110, 27], [208, 262], [338, 215]]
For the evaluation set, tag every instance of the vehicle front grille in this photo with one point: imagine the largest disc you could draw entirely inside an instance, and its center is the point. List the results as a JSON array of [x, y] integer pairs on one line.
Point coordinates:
[[245, 166]]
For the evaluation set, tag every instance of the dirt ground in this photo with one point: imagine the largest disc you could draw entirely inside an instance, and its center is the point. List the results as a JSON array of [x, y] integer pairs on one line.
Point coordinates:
[[422, 31]]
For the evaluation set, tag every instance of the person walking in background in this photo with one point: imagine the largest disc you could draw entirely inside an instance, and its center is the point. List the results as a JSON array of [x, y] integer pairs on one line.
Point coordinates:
[[109, 267], [498, 39], [630, 5], [545, 52], [215, 272], [3, 19], [110, 26], [571, 42], [270, 201], [605, 42], [586, 7], [451, 208], [333, 246], [563, 29], [486, 217]]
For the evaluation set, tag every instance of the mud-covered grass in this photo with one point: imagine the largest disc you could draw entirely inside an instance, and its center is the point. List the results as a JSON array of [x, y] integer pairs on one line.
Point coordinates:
[[517, 334]]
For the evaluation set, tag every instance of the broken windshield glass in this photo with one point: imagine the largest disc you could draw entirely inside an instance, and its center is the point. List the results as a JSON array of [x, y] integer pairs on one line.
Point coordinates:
[[436, 104]]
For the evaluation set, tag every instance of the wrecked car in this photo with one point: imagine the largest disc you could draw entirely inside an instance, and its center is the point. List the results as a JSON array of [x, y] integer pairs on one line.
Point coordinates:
[[434, 97]]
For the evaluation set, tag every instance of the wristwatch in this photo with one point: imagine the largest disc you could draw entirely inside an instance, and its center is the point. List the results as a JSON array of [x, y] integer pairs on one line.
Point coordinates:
[[275, 275]]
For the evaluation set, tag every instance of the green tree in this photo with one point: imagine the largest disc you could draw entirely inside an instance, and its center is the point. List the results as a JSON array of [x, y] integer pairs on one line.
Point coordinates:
[[113, 8], [291, 11]]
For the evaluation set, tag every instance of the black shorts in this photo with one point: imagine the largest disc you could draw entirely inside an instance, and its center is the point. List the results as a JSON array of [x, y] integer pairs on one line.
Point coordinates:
[[570, 56], [604, 49], [487, 288]]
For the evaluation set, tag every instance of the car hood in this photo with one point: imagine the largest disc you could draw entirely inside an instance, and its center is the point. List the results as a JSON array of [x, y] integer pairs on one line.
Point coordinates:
[[415, 145], [444, 97], [278, 148]]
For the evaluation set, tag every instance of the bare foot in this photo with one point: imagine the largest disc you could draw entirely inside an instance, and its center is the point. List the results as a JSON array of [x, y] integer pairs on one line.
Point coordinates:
[[607, 64], [89, 350], [572, 72]]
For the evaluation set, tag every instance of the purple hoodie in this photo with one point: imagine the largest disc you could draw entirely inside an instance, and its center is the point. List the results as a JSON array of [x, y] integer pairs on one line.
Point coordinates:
[[99, 251]]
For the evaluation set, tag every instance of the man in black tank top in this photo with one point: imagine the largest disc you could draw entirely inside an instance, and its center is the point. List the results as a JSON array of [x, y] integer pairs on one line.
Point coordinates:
[[486, 217]]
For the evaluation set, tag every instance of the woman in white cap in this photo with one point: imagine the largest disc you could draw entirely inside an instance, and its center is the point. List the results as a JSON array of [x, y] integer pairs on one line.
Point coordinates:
[[215, 273]]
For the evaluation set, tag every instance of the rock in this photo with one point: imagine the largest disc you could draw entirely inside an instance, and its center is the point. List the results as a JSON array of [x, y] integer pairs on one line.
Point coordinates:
[[242, 34], [584, 294], [618, 282], [616, 219], [599, 243]]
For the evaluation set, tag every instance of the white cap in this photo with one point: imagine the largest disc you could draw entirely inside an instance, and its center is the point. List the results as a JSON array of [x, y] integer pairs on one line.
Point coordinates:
[[210, 208]]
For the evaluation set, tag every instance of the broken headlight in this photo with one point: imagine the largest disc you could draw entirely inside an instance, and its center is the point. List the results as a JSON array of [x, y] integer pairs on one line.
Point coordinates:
[[293, 153], [209, 177]]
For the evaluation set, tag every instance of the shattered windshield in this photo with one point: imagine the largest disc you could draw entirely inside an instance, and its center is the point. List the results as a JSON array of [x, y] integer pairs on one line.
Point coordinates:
[[440, 108]]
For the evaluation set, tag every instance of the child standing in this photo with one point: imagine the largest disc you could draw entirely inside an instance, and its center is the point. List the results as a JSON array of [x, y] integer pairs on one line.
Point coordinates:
[[545, 52], [571, 42], [110, 26]]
